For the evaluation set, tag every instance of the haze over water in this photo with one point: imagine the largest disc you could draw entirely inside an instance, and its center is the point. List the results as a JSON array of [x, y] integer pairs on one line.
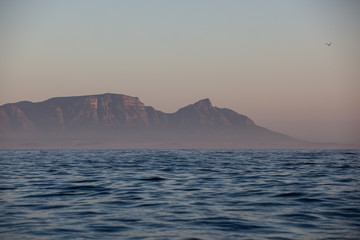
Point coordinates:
[[264, 59], [179, 194]]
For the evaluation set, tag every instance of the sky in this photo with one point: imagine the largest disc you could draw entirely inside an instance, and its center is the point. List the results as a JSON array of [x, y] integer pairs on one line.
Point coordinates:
[[264, 59]]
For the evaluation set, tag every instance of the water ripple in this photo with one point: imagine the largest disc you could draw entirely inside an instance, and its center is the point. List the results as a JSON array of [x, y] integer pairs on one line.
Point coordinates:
[[182, 194]]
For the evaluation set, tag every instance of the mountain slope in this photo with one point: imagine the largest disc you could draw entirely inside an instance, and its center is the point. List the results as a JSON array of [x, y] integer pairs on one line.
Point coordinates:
[[203, 115]]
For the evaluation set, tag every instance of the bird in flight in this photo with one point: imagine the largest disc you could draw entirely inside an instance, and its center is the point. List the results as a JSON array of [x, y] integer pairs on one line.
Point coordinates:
[[328, 44]]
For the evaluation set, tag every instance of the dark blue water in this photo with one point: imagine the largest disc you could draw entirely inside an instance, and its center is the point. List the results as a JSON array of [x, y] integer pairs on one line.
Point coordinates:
[[190, 194]]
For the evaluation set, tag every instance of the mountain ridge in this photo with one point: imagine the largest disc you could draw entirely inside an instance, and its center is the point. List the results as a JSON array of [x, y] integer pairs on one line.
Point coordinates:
[[120, 121], [110, 109]]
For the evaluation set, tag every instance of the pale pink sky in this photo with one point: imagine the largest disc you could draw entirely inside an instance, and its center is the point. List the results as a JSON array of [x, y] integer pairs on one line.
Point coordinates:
[[264, 59]]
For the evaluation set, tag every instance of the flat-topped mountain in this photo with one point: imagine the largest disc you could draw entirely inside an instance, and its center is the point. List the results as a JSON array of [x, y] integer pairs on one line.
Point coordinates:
[[69, 113], [115, 112], [120, 121]]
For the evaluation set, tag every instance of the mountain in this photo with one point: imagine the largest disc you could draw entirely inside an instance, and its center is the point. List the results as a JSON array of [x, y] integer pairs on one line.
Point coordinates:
[[120, 121]]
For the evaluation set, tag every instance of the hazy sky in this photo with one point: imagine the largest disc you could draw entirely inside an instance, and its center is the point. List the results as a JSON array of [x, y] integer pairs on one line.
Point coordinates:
[[265, 59]]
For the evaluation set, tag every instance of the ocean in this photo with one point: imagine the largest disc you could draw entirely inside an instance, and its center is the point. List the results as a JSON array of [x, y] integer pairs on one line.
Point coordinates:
[[180, 194]]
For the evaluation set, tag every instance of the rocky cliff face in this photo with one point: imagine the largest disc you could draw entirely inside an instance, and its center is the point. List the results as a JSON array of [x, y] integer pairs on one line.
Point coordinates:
[[100, 110], [68, 113], [113, 111], [126, 120]]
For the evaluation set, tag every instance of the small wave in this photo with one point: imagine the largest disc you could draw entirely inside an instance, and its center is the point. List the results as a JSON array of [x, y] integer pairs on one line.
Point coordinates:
[[48, 207], [299, 216], [307, 199], [118, 202], [107, 229], [290, 194], [49, 195], [153, 179], [226, 224]]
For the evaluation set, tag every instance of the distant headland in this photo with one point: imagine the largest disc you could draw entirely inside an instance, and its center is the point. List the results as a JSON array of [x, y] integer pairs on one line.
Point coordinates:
[[117, 121]]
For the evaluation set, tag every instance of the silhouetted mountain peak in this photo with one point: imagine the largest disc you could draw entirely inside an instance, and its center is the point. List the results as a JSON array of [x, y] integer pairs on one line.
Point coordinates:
[[203, 102], [203, 105]]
